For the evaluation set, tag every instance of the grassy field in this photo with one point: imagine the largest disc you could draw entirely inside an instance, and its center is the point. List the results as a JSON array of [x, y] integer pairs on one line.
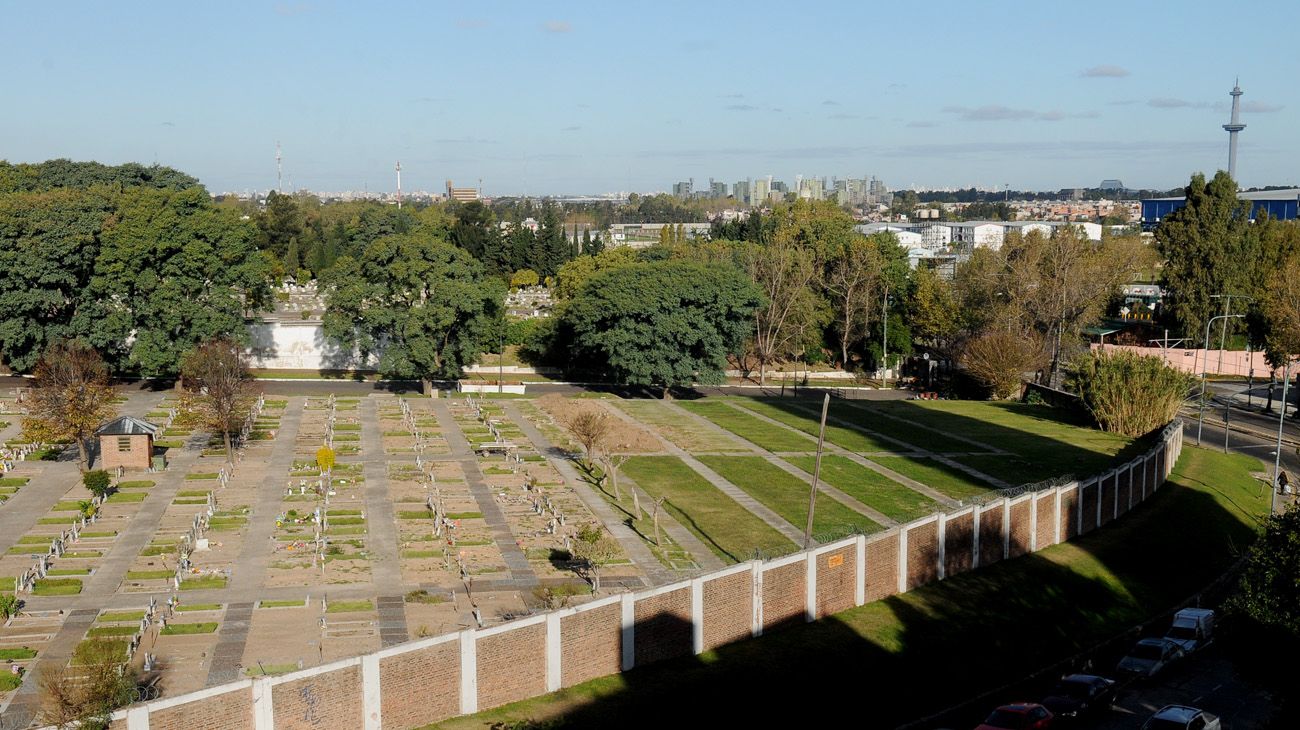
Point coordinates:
[[876, 491], [943, 478], [919, 651], [787, 495], [851, 439], [730, 531], [684, 432], [748, 427]]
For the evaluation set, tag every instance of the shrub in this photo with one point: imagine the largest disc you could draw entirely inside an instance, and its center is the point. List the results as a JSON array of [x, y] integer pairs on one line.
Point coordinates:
[[1127, 393], [998, 359]]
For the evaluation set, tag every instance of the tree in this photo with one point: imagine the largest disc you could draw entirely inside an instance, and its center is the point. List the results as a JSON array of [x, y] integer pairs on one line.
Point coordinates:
[[663, 323], [475, 229], [174, 271], [1129, 394], [524, 278], [1203, 244], [596, 549], [97, 482], [573, 274], [325, 459], [425, 306], [71, 396], [853, 273], [1269, 589], [551, 240], [220, 386], [86, 694], [1281, 311], [590, 426], [999, 358], [933, 311], [48, 245]]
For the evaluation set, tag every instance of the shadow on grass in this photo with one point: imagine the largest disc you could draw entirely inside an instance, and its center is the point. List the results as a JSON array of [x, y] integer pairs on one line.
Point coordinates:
[[910, 656]]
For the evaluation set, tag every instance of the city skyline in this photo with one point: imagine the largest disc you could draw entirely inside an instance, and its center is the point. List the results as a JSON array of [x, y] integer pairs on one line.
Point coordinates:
[[592, 99]]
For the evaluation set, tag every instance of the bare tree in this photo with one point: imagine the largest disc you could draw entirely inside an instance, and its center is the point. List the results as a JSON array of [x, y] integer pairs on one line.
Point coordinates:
[[999, 358], [853, 276], [614, 462], [658, 503], [71, 396], [217, 378], [87, 696], [786, 272], [590, 426]]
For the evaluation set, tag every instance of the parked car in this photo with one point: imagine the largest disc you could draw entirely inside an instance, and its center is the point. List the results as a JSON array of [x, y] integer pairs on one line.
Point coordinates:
[[1149, 657], [1181, 717], [1080, 695], [1019, 716], [1193, 628]]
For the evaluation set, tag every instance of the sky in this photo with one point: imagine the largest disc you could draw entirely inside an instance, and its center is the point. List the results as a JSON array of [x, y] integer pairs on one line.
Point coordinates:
[[573, 97]]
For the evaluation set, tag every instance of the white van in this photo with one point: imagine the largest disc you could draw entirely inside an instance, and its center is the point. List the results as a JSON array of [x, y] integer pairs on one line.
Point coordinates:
[[1192, 629]]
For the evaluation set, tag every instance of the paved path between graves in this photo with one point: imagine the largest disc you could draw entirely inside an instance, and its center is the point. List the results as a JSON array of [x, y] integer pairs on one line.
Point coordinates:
[[520, 571], [632, 544], [936, 495], [228, 654], [740, 496], [381, 524], [780, 463]]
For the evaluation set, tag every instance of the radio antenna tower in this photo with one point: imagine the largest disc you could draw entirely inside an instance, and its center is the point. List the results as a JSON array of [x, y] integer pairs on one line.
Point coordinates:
[[399, 184], [1234, 126], [279, 171]]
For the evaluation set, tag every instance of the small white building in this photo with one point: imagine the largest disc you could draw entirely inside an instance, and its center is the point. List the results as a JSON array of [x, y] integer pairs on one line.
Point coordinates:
[[976, 234]]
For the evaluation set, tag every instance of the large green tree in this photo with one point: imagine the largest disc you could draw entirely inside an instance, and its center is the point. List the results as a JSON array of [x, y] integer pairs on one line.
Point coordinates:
[[662, 323], [426, 307], [48, 245], [173, 271], [1206, 252]]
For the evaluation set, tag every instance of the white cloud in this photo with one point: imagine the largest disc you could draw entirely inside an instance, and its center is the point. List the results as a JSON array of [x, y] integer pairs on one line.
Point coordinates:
[[1104, 71]]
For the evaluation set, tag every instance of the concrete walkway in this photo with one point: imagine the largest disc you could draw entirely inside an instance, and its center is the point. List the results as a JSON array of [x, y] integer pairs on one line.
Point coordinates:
[[26, 700], [228, 655], [259, 542], [520, 571], [738, 495], [381, 522], [631, 543]]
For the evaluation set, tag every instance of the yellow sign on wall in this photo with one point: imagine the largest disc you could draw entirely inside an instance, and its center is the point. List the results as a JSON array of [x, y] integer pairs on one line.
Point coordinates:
[[835, 561]]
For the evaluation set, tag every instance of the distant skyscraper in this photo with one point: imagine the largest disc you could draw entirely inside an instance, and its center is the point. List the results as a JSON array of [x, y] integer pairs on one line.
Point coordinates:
[[1233, 126], [683, 189], [761, 191], [741, 191], [717, 189]]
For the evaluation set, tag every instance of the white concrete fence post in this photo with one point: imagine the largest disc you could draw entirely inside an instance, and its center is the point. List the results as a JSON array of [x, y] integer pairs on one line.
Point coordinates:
[[697, 615], [468, 673], [553, 651], [756, 570], [629, 631], [810, 586], [263, 711], [371, 699], [860, 580], [942, 553]]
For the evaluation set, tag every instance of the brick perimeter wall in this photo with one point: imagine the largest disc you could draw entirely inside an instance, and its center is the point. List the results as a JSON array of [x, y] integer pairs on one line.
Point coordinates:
[[991, 534], [882, 567], [1069, 513], [1020, 528], [663, 626], [1107, 504], [1088, 498], [1124, 486], [1046, 535], [837, 585], [728, 609], [784, 599], [220, 712], [330, 701], [422, 686], [511, 665], [922, 554], [959, 544], [591, 644]]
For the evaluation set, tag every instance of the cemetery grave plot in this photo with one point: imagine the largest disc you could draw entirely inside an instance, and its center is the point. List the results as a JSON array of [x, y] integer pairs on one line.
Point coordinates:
[[177, 641], [621, 436], [283, 636], [769, 436], [429, 546], [544, 513], [348, 627], [787, 495], [22, 638], [403, 422], [670, 554]]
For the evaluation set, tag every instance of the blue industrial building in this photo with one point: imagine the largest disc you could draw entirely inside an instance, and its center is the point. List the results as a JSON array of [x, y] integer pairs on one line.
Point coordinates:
[[1279, 204]]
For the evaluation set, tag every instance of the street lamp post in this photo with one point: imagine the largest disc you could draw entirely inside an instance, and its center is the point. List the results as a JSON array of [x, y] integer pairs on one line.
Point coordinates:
[[1277, 455], [1200, 418]]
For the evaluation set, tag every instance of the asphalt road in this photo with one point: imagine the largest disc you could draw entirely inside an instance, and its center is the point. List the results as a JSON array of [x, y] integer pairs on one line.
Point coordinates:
[[1207, 681]]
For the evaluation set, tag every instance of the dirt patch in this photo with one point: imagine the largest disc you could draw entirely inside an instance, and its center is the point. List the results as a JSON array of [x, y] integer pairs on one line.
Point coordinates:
[[623, 437]]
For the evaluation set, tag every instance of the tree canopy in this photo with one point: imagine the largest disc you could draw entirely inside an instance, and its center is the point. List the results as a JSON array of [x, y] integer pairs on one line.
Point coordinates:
[[424, 306], [662, 323]]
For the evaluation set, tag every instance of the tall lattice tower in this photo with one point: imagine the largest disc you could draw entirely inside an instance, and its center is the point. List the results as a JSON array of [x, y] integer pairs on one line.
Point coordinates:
[[1233, 126]]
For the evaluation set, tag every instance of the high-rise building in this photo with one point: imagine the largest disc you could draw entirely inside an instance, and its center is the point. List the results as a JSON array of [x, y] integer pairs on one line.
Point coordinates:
[[761, 192], [683, 189], [741, 191], [810, 188], [717, 189], [461, 195]]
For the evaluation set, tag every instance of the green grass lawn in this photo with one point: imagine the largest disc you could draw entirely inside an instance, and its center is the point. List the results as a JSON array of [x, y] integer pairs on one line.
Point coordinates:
[[919, 647], [100, 631], [57, 587], [846, 438], [730, 531], [787, 495], [115, 616], [149, 574], [199, 583], [199, 607], [906, 432], [281, 604], [945, 479], [877, 491], [348, 606], [16, 654], [684, 432], [748, 427], [121, 497], [206, 627]]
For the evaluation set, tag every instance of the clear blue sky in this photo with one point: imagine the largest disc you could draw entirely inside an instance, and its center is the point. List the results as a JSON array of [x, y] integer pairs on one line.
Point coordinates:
[[590, 97]]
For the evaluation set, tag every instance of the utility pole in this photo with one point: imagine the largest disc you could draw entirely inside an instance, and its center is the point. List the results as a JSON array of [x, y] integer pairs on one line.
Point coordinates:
[[884, 341], [1277, 455], [1200, 418], [817, 472]]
